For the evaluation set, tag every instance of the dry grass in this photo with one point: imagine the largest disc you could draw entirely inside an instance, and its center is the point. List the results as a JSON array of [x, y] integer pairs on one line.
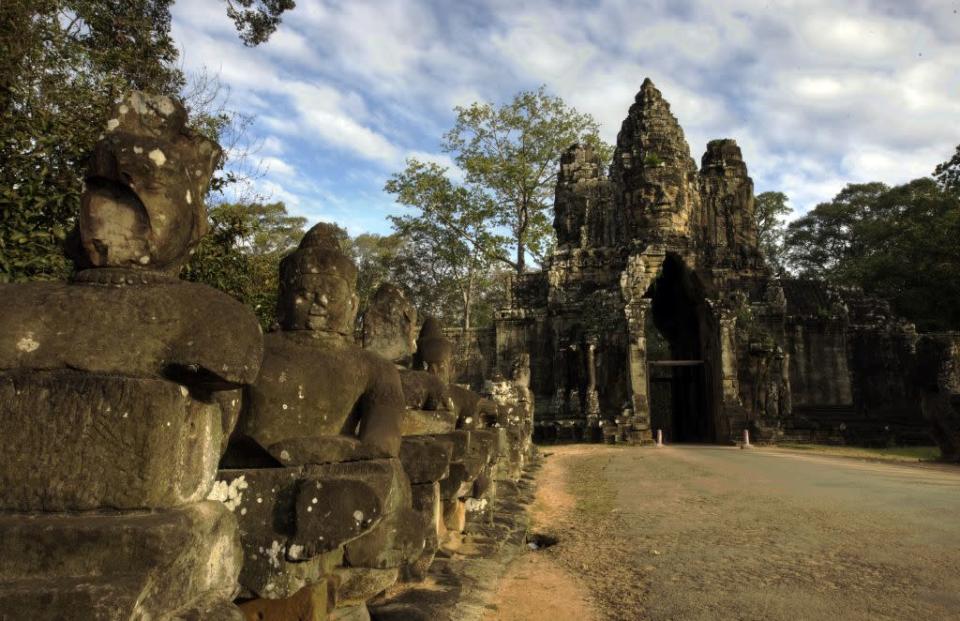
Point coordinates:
[[895, 453]]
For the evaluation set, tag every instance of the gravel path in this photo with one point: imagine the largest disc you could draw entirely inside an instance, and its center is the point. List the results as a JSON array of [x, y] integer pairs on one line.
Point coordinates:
[[705, 532]]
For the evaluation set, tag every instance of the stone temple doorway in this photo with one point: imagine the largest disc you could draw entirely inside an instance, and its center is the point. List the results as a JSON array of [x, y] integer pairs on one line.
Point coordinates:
[[679, 400]]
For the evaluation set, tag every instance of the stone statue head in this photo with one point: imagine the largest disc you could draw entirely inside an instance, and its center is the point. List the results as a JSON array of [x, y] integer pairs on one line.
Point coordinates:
[[142, 205], [318, 285], [390, 324], [434, 350], [520, 370]]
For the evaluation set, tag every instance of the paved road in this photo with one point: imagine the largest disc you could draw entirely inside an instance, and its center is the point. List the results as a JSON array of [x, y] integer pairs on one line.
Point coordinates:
[[704, 532]]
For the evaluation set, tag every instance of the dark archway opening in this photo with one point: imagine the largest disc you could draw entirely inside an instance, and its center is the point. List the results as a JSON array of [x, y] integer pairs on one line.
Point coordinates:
[[678, 395]]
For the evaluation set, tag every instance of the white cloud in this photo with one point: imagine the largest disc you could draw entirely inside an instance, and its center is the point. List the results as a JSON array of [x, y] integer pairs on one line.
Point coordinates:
[[277, 167], [817, 93]]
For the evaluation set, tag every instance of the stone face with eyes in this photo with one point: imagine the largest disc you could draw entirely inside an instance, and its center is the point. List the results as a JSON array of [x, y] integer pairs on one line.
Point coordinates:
[[320, 398]]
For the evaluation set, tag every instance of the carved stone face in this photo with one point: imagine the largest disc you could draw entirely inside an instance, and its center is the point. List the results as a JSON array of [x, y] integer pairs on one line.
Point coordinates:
[[318, 285], [660, 189], [390, 324], [142, 205], [322, 303]]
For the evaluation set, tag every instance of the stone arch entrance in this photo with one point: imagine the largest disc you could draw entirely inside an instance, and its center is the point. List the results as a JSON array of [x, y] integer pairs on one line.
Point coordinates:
[[679, 395]]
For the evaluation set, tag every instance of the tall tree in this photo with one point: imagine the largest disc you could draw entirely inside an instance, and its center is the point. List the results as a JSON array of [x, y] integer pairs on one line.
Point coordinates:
[[897, 243], [823, 242], [452, 224], [256, 20], [378, 259], [947, 174], [511, 153], [771, 209]]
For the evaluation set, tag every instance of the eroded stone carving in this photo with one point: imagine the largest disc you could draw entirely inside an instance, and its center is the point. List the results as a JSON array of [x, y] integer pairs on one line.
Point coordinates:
[[318, 392], [108, 388], [326, 507]]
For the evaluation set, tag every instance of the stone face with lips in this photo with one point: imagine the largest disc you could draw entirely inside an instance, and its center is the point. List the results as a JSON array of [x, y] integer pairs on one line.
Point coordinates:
[[316, 386]]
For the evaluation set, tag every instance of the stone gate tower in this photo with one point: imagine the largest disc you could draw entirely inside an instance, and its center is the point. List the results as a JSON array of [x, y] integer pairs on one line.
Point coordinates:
[[657, 310]]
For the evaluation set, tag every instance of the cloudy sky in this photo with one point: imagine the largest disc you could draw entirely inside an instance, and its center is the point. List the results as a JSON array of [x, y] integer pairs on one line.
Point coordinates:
[[818, 93]]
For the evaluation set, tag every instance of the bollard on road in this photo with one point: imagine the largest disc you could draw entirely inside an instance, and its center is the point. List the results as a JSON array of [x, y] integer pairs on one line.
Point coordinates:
[[746, 438], [659, 437]]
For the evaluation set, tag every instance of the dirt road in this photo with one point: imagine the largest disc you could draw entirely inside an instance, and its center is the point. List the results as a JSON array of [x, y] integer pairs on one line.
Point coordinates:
[[705, 532]]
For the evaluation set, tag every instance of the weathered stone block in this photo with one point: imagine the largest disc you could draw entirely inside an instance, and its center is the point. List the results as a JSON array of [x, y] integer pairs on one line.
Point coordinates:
[[117, 566], [455, 515], [147, 330], [288, 539], [462, 474], [397, 540], [488, 443], [293, 521], [425, 459], [938, 375], [323, 450], [460, 442], [311, 603], [419, 422], [356, 585], [79, 441], [428, 505]]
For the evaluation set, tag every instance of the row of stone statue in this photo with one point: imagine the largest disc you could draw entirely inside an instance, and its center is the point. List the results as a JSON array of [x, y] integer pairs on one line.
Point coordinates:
[[164, 459]]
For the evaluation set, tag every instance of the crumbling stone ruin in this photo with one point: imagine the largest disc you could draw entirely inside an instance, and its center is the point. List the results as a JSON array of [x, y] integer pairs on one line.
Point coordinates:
[[107, 397], [345, 475], [166, 460], [657, 311]]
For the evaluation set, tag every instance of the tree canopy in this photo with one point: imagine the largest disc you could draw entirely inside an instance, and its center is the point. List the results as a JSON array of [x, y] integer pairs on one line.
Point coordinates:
[[452, 228], [241, 254], [511, 153], [898, 243], [770, 211], [65, 63]]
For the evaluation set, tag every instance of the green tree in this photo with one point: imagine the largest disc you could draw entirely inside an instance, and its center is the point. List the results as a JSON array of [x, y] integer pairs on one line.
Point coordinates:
[[452, 226], [241, 254], [897, 243], [64, 64], [511, 153], [823, 242], [947, 174], [256, 20], [770, 210], [378, 259]]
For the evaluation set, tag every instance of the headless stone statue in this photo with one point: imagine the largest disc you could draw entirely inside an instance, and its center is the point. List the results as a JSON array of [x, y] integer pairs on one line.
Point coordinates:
[[390, 325], [107, 388], [319, 397], [434, 350]]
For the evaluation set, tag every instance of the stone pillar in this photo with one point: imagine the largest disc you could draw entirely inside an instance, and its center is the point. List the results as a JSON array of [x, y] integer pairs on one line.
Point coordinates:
[[733, 414], [636, 312]]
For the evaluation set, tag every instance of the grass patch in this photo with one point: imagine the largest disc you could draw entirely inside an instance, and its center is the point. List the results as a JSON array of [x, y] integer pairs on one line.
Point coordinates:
[[894, 453]]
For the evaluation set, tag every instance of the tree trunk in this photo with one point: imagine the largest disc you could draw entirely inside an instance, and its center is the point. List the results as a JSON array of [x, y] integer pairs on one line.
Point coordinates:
[[521, 239], [468, 301]]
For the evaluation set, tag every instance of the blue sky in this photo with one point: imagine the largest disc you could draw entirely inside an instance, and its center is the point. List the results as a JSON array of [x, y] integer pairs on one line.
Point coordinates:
[[818, 93]]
